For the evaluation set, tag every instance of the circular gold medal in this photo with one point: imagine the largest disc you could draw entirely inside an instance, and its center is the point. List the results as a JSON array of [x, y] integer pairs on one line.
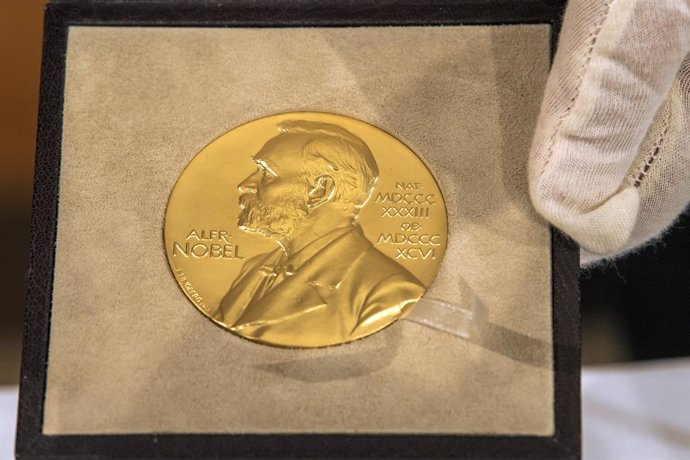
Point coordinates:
[[305, 229]]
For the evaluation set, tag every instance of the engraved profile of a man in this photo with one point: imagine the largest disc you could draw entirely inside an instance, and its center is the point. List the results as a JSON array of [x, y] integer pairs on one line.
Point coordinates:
[[325, 283]]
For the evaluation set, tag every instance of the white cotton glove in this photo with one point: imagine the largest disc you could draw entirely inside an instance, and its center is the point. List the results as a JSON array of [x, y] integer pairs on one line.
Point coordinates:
[[610, 160]]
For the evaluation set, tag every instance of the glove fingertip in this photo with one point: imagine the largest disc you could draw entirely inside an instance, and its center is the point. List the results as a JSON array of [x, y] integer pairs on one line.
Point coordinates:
[[602, 230]]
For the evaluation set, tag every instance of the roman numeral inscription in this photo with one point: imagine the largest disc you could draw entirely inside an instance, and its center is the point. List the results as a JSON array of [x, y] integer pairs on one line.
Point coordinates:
[[409, 201]]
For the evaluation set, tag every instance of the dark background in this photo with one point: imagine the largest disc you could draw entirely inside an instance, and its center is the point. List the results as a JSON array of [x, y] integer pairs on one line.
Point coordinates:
[[21, 24], [635, 309], [639, 307]]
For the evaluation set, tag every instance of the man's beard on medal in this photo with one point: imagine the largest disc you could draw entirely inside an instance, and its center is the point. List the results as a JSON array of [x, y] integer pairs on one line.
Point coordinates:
[[277, 219]]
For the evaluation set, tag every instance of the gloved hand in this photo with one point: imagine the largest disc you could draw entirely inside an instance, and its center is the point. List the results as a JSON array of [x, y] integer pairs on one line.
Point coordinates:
[[610, 160]]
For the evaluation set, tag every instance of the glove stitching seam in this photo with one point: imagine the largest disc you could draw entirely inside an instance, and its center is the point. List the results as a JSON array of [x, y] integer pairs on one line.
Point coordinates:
[[644, 169], [588, 58]]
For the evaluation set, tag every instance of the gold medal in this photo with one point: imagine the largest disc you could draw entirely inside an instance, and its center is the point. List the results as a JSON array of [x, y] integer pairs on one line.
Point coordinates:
[[305, 229]]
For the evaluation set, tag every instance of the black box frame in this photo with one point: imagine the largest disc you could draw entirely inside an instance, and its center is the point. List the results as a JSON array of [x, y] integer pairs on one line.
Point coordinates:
[[60, 15]]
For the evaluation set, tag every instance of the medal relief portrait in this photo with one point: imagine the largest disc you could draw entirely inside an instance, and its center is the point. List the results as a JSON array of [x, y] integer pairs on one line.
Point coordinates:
[[325, 283]]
